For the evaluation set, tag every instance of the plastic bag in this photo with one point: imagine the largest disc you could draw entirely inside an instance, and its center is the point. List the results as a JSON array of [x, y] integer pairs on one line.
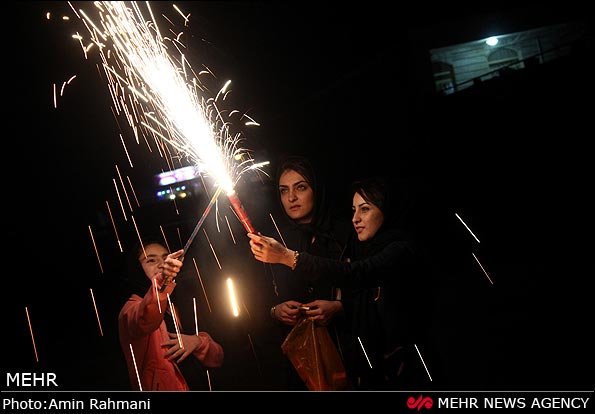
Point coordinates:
[[313, 354]]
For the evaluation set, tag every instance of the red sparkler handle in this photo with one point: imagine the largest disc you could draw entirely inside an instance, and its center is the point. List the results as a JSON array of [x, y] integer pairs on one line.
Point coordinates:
[[237, 206]]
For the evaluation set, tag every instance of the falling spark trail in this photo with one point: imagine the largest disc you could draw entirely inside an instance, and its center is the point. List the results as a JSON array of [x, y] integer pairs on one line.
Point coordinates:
[[195, 315], [109, 210], [467, 227], [140, 240], [133, 192], [278, 231], [365, 353], [179, 235], [157, 294], [209, 379], [202, 285], [175, 317], [230, 232], [32, 337], [126, 151], [96, 251], [484, 271], [135, 368], [96, 312], [124, 187], [55, 102], [255, 356], [232, 298], [212, 249], [62, 88], [120, 199], [164, 238], [422, 361], [201, 221]]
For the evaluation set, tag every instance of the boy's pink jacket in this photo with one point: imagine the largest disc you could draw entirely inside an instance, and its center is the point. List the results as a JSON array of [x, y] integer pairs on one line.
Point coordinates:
[[141, 324]]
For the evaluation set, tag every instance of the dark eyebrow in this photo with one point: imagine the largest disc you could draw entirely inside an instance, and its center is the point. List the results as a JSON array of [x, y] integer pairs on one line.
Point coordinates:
[[293, 185], [362, 204]]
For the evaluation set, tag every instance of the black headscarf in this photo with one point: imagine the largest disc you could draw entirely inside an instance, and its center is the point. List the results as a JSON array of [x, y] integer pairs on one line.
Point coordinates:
[[395, 209]]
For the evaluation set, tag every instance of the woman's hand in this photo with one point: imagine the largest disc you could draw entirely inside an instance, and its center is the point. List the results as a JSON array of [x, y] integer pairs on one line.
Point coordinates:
[[190, 342], [287, 312], [269, 250], [323, 311]]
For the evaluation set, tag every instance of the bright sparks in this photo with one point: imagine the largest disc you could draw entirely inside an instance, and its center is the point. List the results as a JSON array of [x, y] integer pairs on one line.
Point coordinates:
[[232, 298], [162, 90]]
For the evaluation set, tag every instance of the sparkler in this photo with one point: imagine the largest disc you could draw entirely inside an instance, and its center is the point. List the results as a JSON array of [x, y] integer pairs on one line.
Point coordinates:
[[162, 92]]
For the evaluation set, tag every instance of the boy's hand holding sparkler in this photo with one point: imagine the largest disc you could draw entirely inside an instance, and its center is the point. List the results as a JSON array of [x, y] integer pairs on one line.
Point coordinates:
[[171, 267], [269, 250]]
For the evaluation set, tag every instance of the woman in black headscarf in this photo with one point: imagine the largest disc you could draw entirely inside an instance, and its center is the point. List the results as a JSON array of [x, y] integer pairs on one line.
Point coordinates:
[[307, 227], [387, 282]]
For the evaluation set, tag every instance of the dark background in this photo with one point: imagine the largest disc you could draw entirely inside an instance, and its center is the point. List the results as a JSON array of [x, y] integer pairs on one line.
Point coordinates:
[[351, 88]]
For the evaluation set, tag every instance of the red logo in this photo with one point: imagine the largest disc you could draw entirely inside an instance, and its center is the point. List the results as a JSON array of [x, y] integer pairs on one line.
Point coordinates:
[[420, 402]]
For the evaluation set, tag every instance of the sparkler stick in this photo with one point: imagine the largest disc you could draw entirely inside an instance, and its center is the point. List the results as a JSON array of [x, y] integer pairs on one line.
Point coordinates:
[[240, 211], [202, 219], [168, 280]]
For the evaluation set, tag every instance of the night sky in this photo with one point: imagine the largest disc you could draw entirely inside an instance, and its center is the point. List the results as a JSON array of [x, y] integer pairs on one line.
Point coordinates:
[[351, 88]]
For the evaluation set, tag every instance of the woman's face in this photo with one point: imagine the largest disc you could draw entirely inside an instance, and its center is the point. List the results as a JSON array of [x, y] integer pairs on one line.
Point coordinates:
[[297, 196], [367, 218], [153, 263]]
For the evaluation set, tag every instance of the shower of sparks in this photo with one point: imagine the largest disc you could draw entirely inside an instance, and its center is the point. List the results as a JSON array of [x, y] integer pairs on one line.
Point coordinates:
[[126, 151], [278, 231], [96, 251], [365, 353], [140, 240], [123, 187], [195, 315], [204, 292], [164, 238], [158, 92], [484, 271], [212, 249], [96, 312], [175, 318], [467, 227], [120, 199], [135, 368], [230, 232], [109, 210], [232, 298], [209, 379], [32, 337], [133, 192], [255, 356], [422, 361]]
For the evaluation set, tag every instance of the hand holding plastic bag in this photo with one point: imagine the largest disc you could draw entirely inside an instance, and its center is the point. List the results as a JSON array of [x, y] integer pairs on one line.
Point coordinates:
[[312, 352]]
